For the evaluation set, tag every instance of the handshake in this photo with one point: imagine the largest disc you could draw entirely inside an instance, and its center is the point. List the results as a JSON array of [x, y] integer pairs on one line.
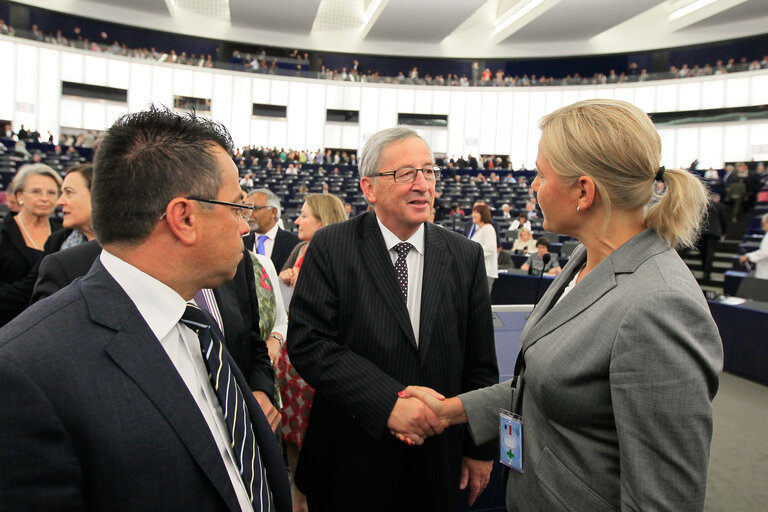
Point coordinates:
[[421, 412]]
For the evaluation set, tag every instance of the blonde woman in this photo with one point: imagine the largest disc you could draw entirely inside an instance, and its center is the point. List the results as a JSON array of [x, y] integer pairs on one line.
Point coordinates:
[[620, 358], [524, 243]]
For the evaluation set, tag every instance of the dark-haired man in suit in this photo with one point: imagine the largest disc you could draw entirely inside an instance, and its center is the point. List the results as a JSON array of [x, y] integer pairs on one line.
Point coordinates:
[[382, 301], [116, 383], [266, 237]]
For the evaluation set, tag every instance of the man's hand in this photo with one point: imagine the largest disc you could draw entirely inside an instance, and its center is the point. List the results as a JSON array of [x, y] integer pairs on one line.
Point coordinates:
[[411, 419], [273, 348], [476, 473], [273, 415]]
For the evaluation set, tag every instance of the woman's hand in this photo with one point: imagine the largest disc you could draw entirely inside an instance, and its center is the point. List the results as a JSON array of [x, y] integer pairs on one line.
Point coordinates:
[[288, 276]]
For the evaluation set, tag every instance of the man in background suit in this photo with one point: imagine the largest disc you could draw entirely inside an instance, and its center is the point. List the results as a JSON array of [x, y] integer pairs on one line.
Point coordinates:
[[266, 237], [103, 382], [236, 301], [714, 228], [360, 331]]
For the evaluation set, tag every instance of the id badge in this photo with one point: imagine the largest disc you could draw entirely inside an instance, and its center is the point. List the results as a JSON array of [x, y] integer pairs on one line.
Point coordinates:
[[511, 440]]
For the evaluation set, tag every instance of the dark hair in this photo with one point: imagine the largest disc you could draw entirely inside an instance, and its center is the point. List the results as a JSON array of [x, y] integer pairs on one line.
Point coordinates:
[[484, 211], [145, 160], [521, 215], [86, 171], [543, 241]]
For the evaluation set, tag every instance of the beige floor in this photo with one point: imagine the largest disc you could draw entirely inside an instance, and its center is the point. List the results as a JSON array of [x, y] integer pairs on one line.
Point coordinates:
[[738, 467]]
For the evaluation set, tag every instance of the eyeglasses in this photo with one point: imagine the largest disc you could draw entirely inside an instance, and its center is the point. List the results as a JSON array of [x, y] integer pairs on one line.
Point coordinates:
[[256, 208], [244, 210], [36, 192], [408, 174]]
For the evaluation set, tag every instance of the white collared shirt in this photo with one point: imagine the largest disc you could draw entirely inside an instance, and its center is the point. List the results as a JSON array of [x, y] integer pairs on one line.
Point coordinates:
[[269, 242], [415, 262], [161, 307]]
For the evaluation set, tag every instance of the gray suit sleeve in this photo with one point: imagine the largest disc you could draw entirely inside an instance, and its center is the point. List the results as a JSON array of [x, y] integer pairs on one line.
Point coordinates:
[[482, 408], [664, 374]]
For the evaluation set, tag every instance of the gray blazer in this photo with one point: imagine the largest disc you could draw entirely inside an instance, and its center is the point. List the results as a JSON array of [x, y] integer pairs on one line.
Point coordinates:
[[617, 388]]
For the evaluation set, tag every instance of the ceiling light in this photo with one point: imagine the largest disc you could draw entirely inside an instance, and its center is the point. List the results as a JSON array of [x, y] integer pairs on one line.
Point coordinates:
[[523, 8], [688, 9]]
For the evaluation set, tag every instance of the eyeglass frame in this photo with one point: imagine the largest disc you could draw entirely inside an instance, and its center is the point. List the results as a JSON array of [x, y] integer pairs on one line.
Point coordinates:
[[240, 206], [436, 169]]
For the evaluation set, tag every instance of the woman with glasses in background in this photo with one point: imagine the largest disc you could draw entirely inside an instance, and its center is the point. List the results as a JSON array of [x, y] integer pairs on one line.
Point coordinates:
[[36, 188]]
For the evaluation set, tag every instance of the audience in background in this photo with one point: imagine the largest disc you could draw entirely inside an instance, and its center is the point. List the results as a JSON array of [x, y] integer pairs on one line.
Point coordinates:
[[535, 263], [485, 235], [760, 256]]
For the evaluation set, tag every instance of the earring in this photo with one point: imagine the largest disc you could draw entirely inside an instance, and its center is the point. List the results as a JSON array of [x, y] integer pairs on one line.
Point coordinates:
[[578, 209], [21, 203]]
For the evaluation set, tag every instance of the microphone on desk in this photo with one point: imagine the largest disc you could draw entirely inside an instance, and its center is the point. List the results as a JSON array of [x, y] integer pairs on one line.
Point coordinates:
[[546, 259]]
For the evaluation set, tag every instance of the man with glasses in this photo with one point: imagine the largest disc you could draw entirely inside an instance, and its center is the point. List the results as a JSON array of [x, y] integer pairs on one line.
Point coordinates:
[[383, 301], [266, 236], [118, 382]]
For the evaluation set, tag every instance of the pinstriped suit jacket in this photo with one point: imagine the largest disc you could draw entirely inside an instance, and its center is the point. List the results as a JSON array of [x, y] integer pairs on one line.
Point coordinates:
[[350, 337]]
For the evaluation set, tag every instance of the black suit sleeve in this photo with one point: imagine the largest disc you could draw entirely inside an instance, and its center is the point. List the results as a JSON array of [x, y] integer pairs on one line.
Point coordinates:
[[51, 277]]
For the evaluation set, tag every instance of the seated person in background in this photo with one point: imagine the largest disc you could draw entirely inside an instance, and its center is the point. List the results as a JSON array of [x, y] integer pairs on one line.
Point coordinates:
[[760, 256], [535, 264], [524, 243], [504, 259], [520, 222], [456, 210], [711, 174]]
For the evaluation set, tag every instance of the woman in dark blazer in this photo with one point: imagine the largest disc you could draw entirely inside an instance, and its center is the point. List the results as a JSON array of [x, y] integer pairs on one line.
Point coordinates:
[[620, 359]]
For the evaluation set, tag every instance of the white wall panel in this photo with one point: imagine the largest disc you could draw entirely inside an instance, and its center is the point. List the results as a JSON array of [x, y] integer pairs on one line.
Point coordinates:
[[388, 108], [536, 110], [7, 86], [625, 94], [369, 113], [503, 134], [690, 96], [351, 98], [406, 101], [570, 96], [221, 103], [713, 94], [297, 116], [72, 67], [350, 136], [759, 90], [645, 98], [666, 98], [118, 72], [588, 94], [316, 116], [472, 123], [162, 79], [520, 135], [277, 134], [49, 93], [456, 117], [604, 94], [736, 142], [333, 135], [259, 132], [240, 124], [441, 102], [261, 87], [334, 98], [668, 146], [423, 101], [203, 86], [278, 94], [94, 115], [71, 115], [95, 70], [553, 102], [26, 105], [687, 150], [758, 141], [139, 95], [711, 147], [488, 123], [183, 84], [736, 92]]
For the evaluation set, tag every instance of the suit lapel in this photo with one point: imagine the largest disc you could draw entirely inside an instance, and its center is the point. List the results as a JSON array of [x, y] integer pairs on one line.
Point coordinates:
[[139, 354], [436, 260], [375, 253]]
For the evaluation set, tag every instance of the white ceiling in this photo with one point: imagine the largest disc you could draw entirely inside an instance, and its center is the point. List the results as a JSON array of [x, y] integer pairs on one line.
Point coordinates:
[[437, 28]]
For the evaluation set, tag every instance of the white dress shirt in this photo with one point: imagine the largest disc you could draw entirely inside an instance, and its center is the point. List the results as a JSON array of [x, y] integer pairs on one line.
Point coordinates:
[[415, 262], [760, 257], [269, 242], [162, 308]]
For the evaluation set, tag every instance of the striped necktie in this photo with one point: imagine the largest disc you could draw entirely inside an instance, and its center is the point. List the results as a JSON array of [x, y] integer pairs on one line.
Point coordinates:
[[233, 406]]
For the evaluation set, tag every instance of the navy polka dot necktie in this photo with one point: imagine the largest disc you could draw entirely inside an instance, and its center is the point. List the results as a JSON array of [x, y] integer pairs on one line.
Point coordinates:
[[401, 267]]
